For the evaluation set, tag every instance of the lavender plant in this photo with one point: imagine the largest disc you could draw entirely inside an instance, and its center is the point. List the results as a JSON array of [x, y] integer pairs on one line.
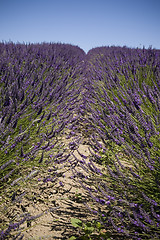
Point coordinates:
[[37, 86], [123, 89]]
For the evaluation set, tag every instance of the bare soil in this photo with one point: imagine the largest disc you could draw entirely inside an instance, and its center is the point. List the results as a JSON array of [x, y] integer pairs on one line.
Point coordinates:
[[54, 203]]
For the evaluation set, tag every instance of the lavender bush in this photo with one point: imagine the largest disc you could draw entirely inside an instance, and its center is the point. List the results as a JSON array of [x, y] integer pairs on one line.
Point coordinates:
[[122, 94], [37, 86]]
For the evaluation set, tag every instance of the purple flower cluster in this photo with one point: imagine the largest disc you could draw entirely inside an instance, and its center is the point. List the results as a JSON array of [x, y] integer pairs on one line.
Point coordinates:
[[39, 91], [122, 95]]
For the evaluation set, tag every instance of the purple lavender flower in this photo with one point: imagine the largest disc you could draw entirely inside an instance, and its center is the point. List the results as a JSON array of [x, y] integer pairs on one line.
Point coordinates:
[[61, 184], [6, 164], [151, 201]]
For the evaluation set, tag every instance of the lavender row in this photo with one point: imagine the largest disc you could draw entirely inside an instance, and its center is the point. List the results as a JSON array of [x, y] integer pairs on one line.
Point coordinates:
[[122, 98], [39, 91]]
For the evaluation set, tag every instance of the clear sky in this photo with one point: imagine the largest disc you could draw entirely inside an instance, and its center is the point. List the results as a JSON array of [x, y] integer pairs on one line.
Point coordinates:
[[86, 23]]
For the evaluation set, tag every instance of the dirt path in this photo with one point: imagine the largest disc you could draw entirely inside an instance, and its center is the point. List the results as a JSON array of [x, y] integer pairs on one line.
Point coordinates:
[[56, 202], [59, 202]]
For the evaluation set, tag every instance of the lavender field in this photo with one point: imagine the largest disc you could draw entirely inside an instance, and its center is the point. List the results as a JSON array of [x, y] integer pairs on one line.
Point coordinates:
[[79, 142]]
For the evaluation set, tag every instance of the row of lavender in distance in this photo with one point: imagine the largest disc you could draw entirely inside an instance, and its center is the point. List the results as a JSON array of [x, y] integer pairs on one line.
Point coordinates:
[[123, 105]]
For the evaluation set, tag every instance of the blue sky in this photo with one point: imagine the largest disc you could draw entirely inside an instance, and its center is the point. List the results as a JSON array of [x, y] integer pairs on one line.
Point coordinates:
[[86, 23]]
